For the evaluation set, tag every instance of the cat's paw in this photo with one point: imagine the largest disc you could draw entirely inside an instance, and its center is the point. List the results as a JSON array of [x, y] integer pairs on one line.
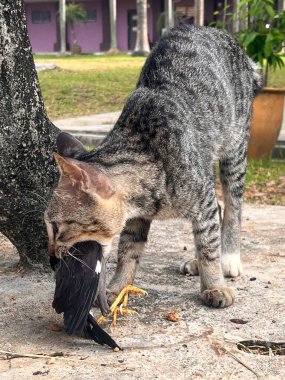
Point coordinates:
[[219, 297], [231, 264], [190, 268]]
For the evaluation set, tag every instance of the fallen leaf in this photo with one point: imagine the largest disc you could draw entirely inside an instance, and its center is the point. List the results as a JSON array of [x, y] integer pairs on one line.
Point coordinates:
[[238, 321], [55, 327], [173, 317]]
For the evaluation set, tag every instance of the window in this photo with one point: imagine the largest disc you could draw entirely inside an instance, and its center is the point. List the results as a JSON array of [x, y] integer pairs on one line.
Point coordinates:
[[41, 17], [91, 15], [185, 11]]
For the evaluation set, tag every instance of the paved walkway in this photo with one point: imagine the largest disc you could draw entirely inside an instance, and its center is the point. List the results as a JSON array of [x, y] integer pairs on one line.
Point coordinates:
[[92, 129], [202, 345]]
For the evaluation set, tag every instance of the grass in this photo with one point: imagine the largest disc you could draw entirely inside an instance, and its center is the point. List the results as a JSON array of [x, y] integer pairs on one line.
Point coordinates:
[[86, 85], [265, 182]]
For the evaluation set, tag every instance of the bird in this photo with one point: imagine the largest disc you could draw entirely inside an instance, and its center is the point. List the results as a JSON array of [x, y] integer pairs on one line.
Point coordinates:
[[80, 280]]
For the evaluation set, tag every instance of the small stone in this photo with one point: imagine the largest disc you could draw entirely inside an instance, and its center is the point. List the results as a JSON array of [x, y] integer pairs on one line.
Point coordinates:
[[116, 349], [252, 279]]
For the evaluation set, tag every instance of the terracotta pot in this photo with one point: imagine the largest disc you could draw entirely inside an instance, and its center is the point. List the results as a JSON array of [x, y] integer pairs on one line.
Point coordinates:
[[266, 122], [76, 49]]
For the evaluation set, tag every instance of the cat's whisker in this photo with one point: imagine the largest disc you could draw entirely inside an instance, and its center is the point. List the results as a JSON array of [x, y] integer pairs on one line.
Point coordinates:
[[78, 250], [63, 261], [81, 261]]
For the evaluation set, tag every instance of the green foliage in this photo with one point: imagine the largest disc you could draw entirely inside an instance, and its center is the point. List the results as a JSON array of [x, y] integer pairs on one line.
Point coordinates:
[[75, 13], [261, 34], [160, 22]]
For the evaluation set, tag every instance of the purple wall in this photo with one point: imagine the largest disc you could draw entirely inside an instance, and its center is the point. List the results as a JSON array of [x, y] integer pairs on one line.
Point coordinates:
[[89, 34], [42, 36], [90, 37]]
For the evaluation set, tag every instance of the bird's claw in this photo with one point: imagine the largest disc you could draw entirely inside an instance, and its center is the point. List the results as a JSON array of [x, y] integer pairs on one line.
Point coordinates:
[[120, 303]]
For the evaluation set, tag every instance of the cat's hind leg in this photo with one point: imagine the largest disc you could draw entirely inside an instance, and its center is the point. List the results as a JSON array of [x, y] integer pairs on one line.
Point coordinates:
[[232, 173], [207, 236], [131, 245]]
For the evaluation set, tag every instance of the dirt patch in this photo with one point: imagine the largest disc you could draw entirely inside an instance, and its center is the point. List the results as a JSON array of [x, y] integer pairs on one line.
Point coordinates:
[[200, 345]]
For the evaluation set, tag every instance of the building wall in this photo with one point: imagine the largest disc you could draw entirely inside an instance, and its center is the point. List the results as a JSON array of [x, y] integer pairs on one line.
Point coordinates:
[[43, 37], [89, 34]]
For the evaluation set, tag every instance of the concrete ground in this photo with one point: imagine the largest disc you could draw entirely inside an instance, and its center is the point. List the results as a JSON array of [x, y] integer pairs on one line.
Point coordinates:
[[201, 345]]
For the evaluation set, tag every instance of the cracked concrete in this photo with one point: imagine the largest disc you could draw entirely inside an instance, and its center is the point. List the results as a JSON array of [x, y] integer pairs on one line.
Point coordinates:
[[202, 345]]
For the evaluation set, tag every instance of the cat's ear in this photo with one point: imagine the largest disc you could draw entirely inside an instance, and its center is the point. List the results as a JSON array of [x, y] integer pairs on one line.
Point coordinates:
[[69, 146], [88, 179]]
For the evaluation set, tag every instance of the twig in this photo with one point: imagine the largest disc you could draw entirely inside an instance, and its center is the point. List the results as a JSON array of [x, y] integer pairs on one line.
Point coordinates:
[[241, 362], [11, 355], [233, 373]]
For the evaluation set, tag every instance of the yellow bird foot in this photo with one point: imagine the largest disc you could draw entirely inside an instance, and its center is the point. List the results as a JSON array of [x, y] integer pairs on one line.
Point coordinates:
[[120, 303]]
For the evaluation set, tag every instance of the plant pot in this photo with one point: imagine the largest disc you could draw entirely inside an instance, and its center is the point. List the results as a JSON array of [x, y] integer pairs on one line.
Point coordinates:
[[266, 122], [76, 49]]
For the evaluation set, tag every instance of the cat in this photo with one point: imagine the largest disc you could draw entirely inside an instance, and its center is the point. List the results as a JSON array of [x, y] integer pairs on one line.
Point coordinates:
[[191, 108]]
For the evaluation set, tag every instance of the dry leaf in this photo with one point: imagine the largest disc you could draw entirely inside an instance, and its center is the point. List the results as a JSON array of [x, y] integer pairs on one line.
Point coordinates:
[[55, 327], [173, 317]]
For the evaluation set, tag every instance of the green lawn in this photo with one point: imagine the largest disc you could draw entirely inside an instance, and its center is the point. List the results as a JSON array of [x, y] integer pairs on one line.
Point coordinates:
[[88, 84], [265, 182]]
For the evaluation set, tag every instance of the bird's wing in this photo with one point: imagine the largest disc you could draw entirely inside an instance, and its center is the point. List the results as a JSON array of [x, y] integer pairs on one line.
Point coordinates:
[[77, 280], [94, 331]]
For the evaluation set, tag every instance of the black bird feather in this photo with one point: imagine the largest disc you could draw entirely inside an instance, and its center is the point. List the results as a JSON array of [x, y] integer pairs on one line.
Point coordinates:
[[80, 280]]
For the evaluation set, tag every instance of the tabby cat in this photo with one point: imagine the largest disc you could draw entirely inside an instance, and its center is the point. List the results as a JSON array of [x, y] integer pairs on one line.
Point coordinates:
[[191, 107]]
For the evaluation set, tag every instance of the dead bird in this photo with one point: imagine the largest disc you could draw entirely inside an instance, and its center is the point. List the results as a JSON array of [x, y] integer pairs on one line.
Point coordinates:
[[80, 280]]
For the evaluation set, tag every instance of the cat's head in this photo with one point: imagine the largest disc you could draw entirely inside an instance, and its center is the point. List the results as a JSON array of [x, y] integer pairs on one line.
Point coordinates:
[[84, 205]]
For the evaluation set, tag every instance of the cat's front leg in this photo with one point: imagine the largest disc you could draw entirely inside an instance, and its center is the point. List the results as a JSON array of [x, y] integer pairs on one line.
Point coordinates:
[[131, 245], [207, 235]]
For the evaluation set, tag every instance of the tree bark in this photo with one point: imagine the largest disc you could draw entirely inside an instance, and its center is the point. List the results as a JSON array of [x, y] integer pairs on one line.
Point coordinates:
[[113, 24], [27, 140], [142, 44], [62, 22], [169, 16], [199, 12]]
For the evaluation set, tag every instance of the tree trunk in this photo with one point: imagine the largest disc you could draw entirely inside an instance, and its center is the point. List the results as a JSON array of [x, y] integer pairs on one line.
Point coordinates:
[[142, 44], [113, 24], [27, 140], [199, 12], [169, 18], [62, 22]]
